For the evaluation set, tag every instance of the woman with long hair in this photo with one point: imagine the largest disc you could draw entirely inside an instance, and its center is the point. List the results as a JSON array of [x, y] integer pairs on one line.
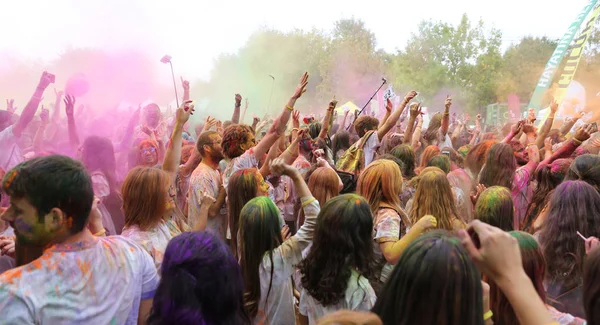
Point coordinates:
[[476, 158], [434, 282], [434, 197], [548, 177], [495, 207], [406, 154], [324, 184], [152, 217], [587, 169], [461, 185], [247, 184], [500, 169], [535, 268], [380, 183], [339, 145], [98, 157], [574, 207], [336, 271], [201, 283], [267, 261], [428, 153]]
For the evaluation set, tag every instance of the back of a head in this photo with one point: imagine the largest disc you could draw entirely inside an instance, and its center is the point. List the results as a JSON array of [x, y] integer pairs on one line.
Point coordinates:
[[534, 266], [323, 183], [500, 166], [341, 141], [242, 188], [440, 161], [428, 153], [53, 182], [234, 136], [591, 287], [380, 182], [365, 123], [406, 154], [259, 233], [495, 207], [98, 154], [314, 129], [434, 197], [435, 282], [201, 282], [145, 191], [342, 242], [477, 156], [574, 206], [585, 168]]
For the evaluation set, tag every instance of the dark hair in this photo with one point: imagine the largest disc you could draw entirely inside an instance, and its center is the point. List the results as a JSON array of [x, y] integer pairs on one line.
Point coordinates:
[[365, 122], [435, 282], [432, 132], [548, 177], [495, 207], [203, 139], [342, 242], [234, 136], [477, 156], [591, 287], [586, 168], [574, 206], [440, 161], [314, 129], [241, 189], [534, 266], [201, 282], [500, 166], [260, 233], [53, 182], [341, 141], [407, 155]]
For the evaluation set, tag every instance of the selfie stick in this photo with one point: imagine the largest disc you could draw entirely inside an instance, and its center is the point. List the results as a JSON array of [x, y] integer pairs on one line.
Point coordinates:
[[368, 102], [167, 59]]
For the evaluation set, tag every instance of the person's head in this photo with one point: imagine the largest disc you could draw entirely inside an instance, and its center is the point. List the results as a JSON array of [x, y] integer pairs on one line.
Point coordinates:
[[186, 153], [548, 177], [324, 184], [456, 159], [428, 153], [97, 154], [440, 161], [574, 206], [587, 169], [459, 178], [201, 282], [477, 156], [591, 287], [431, 135], [237, 138], [341, 141], [434, 197], [435, 282], [381, 182], [406, 154], [534, 266], [489, 136], [364, 124], [495, 207], [342, 242], [464, 151], [260, 233], [209, 146], [148, 196], [50, 199], [147, 153], [244, 185], [520, 152], [314, 129], [500, 166], [151, 115]]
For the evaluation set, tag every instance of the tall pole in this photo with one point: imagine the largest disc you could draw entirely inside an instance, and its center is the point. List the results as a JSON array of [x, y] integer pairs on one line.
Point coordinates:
[[174, 84], [368, 102]]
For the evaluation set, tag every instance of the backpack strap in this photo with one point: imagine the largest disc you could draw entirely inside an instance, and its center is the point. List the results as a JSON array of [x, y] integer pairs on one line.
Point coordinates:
[[365, 138]]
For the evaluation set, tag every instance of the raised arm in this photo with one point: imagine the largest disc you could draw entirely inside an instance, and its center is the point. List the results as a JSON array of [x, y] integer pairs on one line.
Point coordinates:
[[327, 121], [56, 112], [568, 125], [388, 111], [134, 119], [385, 128], [514, 130], [73, 136], [173, 154], [243, 117], [32, 106], [235, 118], [278, 127], [446, 116], [543, 132], [38, 139], [417, 134], [186, 89], [415, 111], [265, 169]]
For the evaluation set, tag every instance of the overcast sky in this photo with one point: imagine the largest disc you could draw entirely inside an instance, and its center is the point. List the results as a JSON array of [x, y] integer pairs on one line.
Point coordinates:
[[194, 32]]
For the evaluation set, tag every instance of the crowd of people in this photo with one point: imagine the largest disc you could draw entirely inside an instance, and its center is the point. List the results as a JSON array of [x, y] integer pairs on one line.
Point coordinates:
[[338, 218]]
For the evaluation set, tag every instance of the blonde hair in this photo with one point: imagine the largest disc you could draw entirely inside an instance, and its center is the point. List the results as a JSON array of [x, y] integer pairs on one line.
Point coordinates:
[[381, 182], [434, 197], [145, 192], [324, 184]]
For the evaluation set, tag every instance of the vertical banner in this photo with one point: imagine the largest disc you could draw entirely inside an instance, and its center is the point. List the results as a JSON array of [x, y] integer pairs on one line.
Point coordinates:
[[573, 60], [559, 53]]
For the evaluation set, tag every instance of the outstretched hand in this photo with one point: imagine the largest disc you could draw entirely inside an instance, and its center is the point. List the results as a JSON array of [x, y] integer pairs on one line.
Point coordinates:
[[185, 84], [45, 116], [184, 112], [584, 132], [448, 102], [10, 106], [279, 167], [301, 88], [69, 104]]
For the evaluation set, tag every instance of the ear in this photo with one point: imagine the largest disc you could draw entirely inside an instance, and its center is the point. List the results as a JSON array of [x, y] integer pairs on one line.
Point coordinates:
[[55, 220]]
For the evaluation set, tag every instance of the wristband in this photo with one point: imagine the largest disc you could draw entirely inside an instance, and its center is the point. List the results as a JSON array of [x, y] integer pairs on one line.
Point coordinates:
[[488, 315], [576, 141], [289, 107], [100, 233]]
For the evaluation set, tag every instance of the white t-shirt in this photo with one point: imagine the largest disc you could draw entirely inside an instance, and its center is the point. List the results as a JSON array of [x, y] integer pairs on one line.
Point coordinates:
[[279, 307], [246, 160], [10, 153], [155, 240], [206, 179], [370, 148], [101, 281], [360, 296]]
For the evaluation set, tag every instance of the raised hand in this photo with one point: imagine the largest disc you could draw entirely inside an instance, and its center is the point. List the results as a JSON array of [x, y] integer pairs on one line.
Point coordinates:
[[584, 133], [448, 102], [10, 106], [238, 100], [185, 84], [388, 105], [210, 122], [184, 112], [410, 95], [296, 119], [285, 232], [46, 79], [206, 199], [279, 167], [69, 105], [478, 117], [548, 144], [515, 129], [301, 88], [45, 116], [415, 110], [219, 127], [333, 103], [554, 106], [58, 93]]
